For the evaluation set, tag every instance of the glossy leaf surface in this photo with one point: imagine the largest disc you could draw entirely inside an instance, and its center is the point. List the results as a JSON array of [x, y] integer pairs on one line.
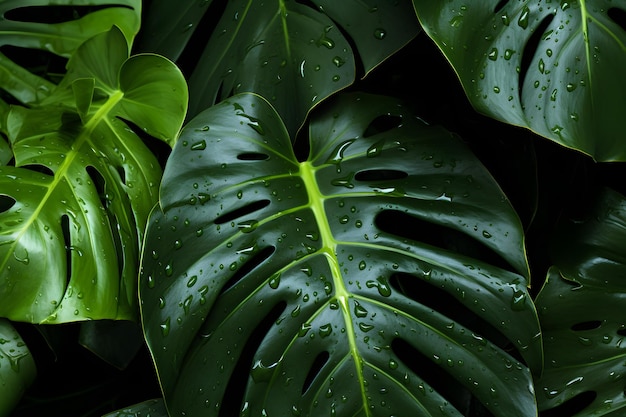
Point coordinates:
[[292, 54], [582, 314], [555, 67], [276, 286], [58, 27], [150, 408], [17, 367], [74, 205]]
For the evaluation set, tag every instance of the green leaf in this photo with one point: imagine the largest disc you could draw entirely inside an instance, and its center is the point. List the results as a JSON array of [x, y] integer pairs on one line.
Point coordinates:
[[321, 287], [24, 26], [572, 90], [150, 408], [17, 367], [288, 52], [582, 313], [74, 206]]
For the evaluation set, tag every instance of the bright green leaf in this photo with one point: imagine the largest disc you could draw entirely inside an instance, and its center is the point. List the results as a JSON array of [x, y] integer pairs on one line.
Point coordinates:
[[17, 367], [326, 287], [74, 206], [288, 52], [21, 27], [582, 313], [569, 87]]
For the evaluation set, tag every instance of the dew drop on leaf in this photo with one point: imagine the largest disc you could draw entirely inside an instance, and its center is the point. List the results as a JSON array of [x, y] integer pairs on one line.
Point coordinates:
[[380, 33], [199, 146]]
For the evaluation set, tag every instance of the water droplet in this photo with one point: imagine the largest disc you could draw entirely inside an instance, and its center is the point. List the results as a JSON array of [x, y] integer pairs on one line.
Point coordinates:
[[508, 54], [296, 311], [192, 281], [169, 269], [203, 129], [199, 146], [365, 327], [381, 284], [344, 181], [338, 61], [493, 54], [380, 33], [486, 234], [456, 21], [393, 364], [518, 302], [274, 281], [165, 327], [304, 329], [362, 265], [247, 226], [542, 66], [325, 330], [549, 52], [336, 155], [553, 95], [359, 310], [570, 87], [505, 19], [523, 18], [262, 373]]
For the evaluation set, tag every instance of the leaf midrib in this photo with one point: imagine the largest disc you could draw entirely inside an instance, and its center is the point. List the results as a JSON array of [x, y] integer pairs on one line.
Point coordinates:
[[329, 248], [88, 128]]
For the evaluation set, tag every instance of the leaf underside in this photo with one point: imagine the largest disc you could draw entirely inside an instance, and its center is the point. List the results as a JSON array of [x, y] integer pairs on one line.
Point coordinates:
[[323, 281]]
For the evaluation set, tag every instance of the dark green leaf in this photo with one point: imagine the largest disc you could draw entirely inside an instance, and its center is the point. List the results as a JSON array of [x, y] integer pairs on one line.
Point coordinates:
[[553, 67], [75, 204], [290, 53], [327, 286], [17, 367], [582, 313], [150, 408]]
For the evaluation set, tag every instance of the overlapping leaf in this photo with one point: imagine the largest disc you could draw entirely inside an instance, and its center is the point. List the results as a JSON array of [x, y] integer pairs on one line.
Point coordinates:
[[286, 51], [582, 314], [271, 286], [555, 67], [46, 25], [74, 205]]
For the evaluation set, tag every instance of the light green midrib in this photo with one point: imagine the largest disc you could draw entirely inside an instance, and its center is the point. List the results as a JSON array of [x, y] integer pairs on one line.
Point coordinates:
[[329, 248], [88, 128]]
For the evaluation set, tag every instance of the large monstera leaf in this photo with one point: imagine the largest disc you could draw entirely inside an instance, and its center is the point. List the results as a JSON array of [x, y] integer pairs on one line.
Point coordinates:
[[582, 313], [74, 205], [271, 286], [288, 52], [555, 67], [58, 27]]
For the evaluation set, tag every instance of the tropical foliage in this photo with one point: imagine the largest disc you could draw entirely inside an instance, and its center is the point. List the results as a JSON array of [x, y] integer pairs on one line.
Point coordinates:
[[312, 208]]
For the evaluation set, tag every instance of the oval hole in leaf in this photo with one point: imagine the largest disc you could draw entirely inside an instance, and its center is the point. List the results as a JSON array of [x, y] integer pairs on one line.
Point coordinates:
[[440, 300], [531, 49], [67, 240], [253, 156], [382, 124], [99, 183], [572, 406], [233, 394], [380, 175], [243, 270], [586, 325], [618, 16], [316, 367], [436, 376], [6, 202], [242, 211], [42, 169], [407, 226]]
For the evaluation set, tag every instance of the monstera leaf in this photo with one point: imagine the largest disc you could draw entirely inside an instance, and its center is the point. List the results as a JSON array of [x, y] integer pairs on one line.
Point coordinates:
[[582, 314], [74, 206], [150, 408], [288, 52], [553, 67], [271, 286], [56, 26], [17, 367]]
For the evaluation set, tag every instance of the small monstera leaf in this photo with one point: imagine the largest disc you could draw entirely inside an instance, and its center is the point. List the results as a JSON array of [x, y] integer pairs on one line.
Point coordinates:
[[17, 367], [74, 206], [582, 314], [58, 27], [553, 67], [271, 286], [288, 52]]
